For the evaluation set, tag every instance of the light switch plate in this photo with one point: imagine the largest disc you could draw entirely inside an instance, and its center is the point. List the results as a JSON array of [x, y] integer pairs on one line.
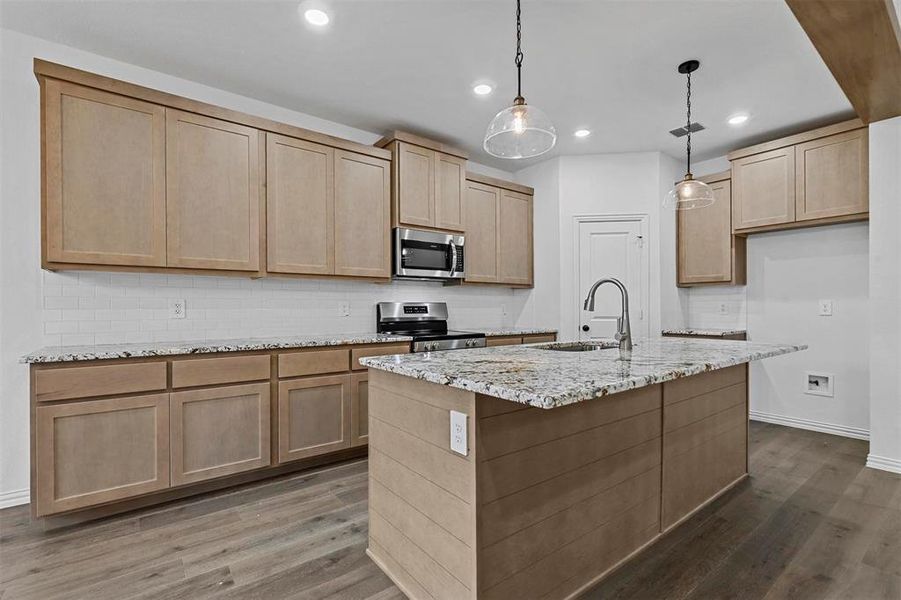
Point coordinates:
[[458, 442], [177, 309], [825, 308], [344, 309]]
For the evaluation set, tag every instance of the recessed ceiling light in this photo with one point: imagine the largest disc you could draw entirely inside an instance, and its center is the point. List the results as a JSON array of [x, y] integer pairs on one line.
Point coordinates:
[[482, 89], [317, 17], [581, 133], [737, 119]]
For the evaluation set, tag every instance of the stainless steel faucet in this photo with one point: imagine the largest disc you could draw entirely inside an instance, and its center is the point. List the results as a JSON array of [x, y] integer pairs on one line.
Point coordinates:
[[623, 326]]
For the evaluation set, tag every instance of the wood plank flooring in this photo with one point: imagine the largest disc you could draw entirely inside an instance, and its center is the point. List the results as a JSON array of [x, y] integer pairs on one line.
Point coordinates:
[[811, 522]]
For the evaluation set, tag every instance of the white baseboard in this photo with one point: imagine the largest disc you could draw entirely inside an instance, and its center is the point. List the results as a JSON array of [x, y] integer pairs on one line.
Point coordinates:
[[842, 430], [14, 498], [883, 463]]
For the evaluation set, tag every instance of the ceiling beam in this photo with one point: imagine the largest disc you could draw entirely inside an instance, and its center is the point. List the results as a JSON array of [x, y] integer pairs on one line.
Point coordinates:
[[860, 42]]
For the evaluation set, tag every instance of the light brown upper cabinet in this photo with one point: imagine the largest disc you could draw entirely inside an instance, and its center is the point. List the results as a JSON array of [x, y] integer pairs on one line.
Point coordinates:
[[140, 180], [832, 176], [498, 230], [812, 178], [708, 252], [212, 193], [104, 178], [300, 206], [362, 215], [481, 209], [429, 182]]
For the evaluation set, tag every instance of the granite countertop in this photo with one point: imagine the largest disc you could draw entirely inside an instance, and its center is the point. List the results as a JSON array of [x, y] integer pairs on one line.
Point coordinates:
[[52, 354], [707, 332], [548, 378], [501, 331]]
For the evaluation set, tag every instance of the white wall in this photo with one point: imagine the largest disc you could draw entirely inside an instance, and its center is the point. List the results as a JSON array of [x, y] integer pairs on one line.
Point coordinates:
[[73, 308], [885, 295], [788, 272]]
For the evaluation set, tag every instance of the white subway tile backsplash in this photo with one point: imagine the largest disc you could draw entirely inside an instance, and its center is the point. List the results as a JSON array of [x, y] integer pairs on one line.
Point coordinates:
[[104, 308]]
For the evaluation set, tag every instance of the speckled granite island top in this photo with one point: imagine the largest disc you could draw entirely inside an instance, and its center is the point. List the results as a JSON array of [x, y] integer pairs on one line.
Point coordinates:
[[52, 354], [551, 378], [704, 332]]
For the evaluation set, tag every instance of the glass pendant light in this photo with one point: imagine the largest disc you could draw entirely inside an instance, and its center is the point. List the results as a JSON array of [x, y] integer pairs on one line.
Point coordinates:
[[520, 131], [689, 193]]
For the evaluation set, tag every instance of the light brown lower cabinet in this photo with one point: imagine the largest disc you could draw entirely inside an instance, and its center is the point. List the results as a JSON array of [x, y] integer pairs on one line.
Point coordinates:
[[98, 451], [219, 431], [359, 409], [313, 416]]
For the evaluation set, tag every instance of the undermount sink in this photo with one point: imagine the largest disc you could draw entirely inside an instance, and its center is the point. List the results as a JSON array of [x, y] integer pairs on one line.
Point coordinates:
[[579, 346]]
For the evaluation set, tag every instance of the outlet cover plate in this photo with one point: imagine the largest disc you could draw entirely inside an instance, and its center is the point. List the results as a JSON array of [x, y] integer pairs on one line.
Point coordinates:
[[458, 442], [819, 384], [825, 308], [177, 309]]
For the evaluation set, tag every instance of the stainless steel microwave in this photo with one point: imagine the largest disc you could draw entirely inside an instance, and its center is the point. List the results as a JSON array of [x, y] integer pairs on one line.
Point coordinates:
[[427, 254]]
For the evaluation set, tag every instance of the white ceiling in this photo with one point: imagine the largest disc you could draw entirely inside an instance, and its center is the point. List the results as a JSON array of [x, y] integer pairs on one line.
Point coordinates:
[[383, 64]]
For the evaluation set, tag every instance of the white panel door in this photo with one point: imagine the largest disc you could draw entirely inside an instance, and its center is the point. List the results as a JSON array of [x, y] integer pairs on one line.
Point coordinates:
[[612, 249]]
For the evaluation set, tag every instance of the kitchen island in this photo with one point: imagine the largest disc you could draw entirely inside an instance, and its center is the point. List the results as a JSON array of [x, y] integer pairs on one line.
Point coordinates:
[[572, 461]]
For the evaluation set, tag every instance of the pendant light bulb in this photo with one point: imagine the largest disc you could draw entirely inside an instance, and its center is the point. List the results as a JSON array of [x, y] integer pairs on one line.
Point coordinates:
[[521, 130], [689, 193]]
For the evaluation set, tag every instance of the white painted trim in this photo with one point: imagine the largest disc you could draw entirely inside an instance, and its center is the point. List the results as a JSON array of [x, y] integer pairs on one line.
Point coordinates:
[[14, 498], [857, 433], [884, 463], [643, 220]]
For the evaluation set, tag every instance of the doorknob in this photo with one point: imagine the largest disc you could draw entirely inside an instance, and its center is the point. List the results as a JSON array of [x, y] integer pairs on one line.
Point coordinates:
[[585, 328]]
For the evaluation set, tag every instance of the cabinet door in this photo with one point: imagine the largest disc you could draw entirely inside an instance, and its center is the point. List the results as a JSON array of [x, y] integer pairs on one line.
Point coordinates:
[[362, 215], [763, 189], [515, 238], [300, 206], [359, 409], [219, 431], [481, 212], [100, 450], [313, 416], [450, 186], [705, 242], [104, 178], [416, 188], [213, 193], [832, 177]]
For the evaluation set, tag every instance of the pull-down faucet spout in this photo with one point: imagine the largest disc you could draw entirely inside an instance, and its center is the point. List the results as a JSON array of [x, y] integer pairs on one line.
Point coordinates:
[[623, 326]]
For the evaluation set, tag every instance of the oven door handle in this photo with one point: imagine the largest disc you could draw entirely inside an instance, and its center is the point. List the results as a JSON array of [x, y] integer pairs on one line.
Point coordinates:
[[453, 249]]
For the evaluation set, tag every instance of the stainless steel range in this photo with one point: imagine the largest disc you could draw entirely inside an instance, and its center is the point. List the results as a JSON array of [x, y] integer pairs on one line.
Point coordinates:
[[426, 322]]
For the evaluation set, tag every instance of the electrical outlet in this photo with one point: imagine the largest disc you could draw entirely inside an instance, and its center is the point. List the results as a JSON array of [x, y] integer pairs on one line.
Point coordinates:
[[825, 308], [818, 384], [344, 309], [724, 309], [458, 432], [177, 309], [503, 310]]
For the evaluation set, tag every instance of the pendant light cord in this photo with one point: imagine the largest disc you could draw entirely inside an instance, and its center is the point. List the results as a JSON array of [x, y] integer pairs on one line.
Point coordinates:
[[688, 126], [519, 54]]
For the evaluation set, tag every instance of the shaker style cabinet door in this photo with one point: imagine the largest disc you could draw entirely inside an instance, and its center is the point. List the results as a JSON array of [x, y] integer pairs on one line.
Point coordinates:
[[300, 206], [213, 193], [763, 189], [359, 409], [450, 187], [104, 178], [219, 431], [313, 416], [481, 230], [833, 177], [416, 185], [98, 451], [706, 246], [515, 238], [362, 215]]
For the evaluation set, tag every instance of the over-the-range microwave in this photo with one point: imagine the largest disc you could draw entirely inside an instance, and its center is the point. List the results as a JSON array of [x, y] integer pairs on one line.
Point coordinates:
[[422, 254]]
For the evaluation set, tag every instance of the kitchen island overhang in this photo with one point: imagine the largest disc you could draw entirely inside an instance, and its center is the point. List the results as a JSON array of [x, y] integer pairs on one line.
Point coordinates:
[[574, 462]]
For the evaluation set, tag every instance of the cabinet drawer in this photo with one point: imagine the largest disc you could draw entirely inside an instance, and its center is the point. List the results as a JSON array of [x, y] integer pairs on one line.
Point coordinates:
[[313, 362], [224, 369], [358, 353], [538, 339], [504, 340], [99, 451], [101, 380]]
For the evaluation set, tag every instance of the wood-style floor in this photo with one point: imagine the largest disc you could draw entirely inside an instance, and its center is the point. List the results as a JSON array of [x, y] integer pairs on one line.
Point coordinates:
[[811, 522]]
